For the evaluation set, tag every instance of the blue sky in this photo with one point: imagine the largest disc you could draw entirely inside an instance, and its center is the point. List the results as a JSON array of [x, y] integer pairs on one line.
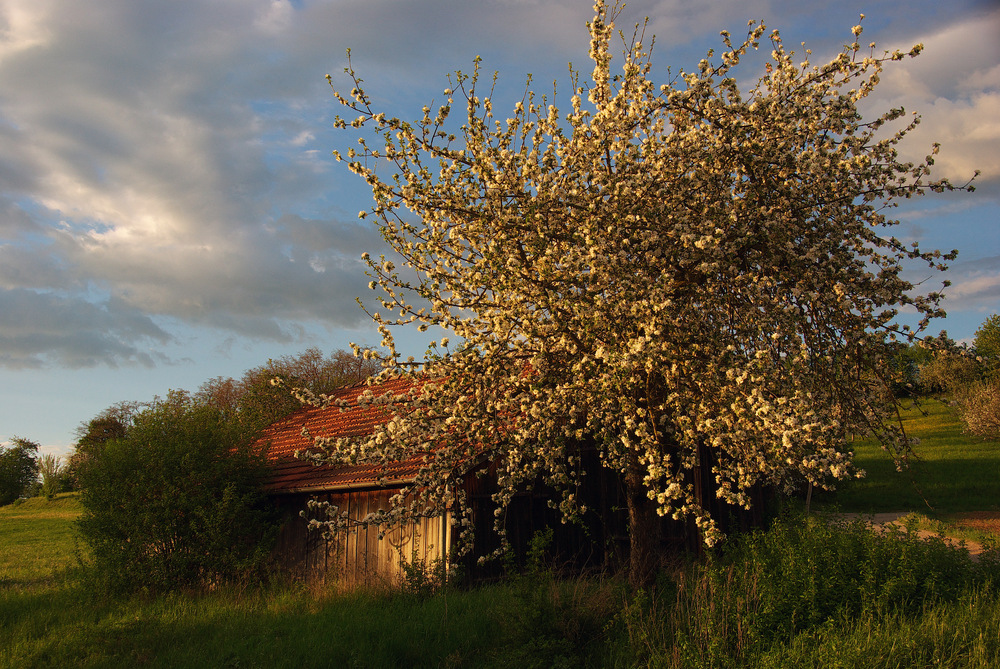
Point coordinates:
[[170, 210]]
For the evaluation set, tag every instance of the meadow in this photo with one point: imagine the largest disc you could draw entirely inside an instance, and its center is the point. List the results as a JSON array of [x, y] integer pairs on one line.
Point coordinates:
[[807, 592]]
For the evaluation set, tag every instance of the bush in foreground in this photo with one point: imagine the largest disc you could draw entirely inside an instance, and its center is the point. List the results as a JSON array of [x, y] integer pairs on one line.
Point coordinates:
[[176, 501]]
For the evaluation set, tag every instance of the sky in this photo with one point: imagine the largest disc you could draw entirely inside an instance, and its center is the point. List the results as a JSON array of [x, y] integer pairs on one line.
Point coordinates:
[[170, 210]]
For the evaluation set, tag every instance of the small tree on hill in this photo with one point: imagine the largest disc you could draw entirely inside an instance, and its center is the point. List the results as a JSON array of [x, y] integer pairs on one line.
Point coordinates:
[[53, 474], [696, 276]]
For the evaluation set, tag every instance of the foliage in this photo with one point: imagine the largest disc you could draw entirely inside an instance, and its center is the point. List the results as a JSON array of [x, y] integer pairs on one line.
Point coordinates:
[[54, 476], [693, 619], [987, 344], [905, 368], [111, 423], [690, 274], [979, 407], [253, 401], [177, 501], [18, 469], [949, 371], [770, 593], [257, 401]]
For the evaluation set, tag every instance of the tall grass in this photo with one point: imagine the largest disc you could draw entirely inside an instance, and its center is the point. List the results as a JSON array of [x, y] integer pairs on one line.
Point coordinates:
[[817, 594]]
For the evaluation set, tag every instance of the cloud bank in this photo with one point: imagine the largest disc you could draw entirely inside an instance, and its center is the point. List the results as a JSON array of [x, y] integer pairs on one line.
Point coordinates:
[[169, 163]]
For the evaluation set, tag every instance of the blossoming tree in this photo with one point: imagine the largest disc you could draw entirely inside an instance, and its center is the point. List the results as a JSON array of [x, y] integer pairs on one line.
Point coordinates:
[[686, 274]]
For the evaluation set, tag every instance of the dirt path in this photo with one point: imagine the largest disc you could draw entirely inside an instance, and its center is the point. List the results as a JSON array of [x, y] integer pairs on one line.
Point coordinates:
[[987, 521]]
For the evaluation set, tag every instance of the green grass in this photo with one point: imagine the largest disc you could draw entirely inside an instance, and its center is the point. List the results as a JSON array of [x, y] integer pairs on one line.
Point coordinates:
[[37, 538], [950, 473]]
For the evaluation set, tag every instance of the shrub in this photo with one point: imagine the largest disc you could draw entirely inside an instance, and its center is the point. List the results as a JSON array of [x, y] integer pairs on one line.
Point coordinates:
[[979, 408], [176, 501]]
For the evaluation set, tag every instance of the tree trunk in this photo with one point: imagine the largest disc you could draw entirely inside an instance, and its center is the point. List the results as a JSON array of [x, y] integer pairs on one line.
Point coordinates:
[[644, 530]]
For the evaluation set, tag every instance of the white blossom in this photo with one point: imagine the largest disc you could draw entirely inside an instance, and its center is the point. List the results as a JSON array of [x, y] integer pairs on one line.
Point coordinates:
[[670, 267]]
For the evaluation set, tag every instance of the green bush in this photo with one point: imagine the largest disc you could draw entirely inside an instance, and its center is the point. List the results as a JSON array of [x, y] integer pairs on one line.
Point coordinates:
[[177, 501]]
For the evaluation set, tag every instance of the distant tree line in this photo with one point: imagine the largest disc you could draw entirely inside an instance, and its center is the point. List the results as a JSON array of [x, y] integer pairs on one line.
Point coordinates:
[[25, 473]]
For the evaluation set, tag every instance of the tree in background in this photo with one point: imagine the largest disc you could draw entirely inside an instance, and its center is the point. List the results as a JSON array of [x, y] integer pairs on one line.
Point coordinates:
[[18, 469], [905, 367], [177, 500], [111, 423], [949, 367], [254, 401], [54, 477], [258, 401], [698, 277], [987, 345]]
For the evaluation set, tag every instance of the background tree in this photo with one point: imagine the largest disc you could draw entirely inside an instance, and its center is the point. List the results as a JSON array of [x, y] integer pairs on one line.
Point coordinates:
[[256, 401], [18, 469], [53, 474], [696, 276], [253, 401], [987, 345], [177, 500], [905, 368], [111, 423], [950, 369]]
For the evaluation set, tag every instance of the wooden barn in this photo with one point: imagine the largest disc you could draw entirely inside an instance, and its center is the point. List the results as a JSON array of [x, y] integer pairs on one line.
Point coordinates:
[[360, 557]]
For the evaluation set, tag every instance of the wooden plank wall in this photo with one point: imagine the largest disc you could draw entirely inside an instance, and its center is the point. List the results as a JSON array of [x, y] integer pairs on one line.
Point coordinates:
[[357, 558]]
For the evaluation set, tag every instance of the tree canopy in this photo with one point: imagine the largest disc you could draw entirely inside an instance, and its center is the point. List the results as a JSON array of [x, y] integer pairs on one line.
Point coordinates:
[[692, 273]]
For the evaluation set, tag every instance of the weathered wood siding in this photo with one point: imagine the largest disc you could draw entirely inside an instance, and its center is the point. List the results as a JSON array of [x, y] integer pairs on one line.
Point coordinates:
[[357, 557]]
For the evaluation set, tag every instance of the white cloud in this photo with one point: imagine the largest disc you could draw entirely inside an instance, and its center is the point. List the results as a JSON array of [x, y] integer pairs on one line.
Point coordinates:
[[955, 86]]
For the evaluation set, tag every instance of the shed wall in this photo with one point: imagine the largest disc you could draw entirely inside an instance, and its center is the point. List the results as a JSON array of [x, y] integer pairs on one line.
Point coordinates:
[[358, 557]]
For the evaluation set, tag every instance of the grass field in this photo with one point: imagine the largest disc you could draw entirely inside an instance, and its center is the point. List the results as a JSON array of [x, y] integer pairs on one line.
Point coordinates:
[[803, 594], [37, 538], [950, 473]]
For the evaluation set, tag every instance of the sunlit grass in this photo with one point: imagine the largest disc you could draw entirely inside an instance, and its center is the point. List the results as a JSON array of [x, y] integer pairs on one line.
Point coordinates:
[[950, 471], [38, 537]]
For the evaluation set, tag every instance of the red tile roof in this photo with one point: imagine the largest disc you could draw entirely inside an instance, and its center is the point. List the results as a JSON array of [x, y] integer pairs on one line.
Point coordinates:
[[285, 437]]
